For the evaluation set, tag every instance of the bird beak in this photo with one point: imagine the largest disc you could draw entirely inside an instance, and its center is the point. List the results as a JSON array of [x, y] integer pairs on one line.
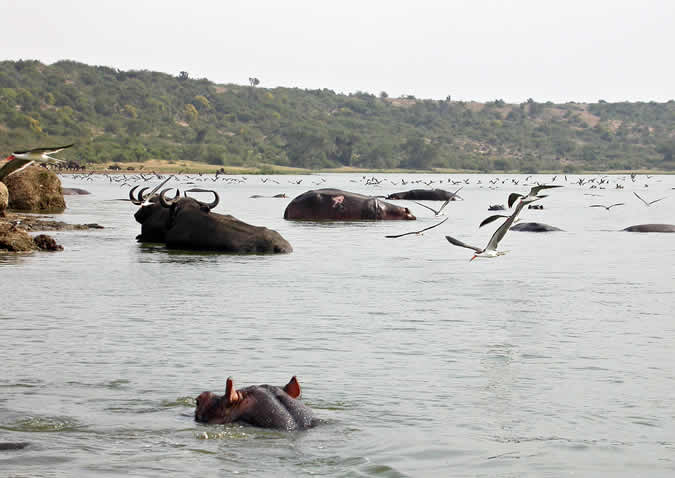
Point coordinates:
[[9, 158], [474, 256]]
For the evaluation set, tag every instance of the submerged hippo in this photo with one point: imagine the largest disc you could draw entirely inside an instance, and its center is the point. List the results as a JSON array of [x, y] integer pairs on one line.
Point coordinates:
[[74, 192], [338, 205], [264, 406], [534, 227], [651, 228], [425, 195]]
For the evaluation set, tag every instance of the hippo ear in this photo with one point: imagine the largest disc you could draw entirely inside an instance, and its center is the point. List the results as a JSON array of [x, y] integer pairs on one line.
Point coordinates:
[[293, 388], [231, 394]]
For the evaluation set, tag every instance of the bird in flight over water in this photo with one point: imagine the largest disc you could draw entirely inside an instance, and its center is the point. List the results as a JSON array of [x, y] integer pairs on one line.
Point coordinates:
[[21, 159], [491, 249]]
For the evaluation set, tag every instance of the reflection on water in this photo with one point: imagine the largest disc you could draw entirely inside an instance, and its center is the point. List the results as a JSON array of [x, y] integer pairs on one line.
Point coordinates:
[[553, 359]]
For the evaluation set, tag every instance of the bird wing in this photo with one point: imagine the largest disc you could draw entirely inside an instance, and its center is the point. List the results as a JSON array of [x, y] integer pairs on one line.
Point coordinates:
[[535, 190], [598, 205], [151, 193], [457, 242], [429, 208], [656, 200], [638, 196], [447, 201], [52, 150], [417, 232], [617, 204], [513, 197], [13, 166], [454, 195], [504, 228], [490, 219]]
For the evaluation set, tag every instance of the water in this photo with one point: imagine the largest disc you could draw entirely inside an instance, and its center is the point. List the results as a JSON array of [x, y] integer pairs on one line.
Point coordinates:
[[553, 360]]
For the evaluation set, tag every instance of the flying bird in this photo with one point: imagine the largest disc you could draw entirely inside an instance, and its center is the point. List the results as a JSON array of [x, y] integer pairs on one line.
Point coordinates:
[[417, 232], [647, 203], [491, 249], [513, 197], [18, 160], [606, 207], [436, 213]]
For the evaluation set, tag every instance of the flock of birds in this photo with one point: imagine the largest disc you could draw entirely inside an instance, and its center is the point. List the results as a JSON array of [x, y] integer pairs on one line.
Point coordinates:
[[18, 160]]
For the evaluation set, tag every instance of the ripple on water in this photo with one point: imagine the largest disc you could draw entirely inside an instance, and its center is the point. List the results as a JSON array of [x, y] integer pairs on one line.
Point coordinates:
[[44, 424]]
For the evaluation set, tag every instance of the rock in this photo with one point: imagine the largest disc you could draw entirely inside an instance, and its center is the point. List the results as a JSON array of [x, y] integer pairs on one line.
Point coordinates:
[[4, 199], [46, 243], [14, 239], [35, 189]]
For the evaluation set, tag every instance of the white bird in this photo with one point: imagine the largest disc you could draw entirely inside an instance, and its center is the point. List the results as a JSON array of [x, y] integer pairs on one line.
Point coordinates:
[[21, 159], [532, 194], [644, 201], [491, 249], [436, 212]]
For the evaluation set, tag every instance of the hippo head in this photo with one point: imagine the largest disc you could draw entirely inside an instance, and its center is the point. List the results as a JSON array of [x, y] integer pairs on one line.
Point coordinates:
[[261, 405]]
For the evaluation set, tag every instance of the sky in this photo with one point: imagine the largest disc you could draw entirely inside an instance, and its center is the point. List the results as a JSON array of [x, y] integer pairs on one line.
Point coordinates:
[[473, 50]]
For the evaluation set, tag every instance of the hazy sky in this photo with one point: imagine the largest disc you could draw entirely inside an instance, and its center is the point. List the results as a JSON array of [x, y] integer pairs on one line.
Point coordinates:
[[481, 50]]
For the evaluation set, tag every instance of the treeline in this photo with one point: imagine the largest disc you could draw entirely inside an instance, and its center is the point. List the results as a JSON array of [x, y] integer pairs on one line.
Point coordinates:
[[121, 116]]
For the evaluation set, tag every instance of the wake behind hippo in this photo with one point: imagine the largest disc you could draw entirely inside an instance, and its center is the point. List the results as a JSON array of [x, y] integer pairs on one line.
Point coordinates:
[[338, 205], [265, 406]]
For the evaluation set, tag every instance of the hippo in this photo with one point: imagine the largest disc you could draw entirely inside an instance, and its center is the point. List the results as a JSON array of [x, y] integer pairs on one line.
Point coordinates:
[[265, 406], [425, 195], [534, 227], [651, 228], [19, 445], [74, 192], [338, 205]]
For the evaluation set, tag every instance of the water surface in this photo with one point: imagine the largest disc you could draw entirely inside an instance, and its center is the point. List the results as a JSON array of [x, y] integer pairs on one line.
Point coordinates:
[[553, 360]]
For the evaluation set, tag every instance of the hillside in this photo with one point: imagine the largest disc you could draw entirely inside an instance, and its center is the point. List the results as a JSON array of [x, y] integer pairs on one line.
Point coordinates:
[[124, 116]]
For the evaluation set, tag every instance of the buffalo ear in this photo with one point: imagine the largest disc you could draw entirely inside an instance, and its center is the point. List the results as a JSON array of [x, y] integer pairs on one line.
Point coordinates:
[[293, 388], [230, 393]]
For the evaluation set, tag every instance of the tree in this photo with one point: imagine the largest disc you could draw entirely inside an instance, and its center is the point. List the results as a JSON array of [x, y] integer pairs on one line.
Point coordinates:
[[254, 82], [183, 75]]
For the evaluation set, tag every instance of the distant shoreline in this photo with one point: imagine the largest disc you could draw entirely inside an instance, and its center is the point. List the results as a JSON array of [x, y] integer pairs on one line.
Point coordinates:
[[189, 167]]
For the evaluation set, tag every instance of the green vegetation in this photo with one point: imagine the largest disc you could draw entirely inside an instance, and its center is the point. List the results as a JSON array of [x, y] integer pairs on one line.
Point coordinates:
[[133, 116]]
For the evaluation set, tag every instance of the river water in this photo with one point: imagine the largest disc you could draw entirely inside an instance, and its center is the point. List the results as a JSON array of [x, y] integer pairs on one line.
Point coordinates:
[[556, 359]]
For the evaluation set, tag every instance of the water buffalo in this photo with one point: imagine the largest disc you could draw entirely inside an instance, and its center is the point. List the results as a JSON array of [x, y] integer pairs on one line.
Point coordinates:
[[651, 228], [186, 223], [337, 205], [264, 406], [534, 227], [425, 195]]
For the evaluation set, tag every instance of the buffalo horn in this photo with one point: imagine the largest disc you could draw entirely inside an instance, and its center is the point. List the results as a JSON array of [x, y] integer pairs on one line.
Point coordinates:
[[141, 196], [132, 198], [168, 202], [210, 205]]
